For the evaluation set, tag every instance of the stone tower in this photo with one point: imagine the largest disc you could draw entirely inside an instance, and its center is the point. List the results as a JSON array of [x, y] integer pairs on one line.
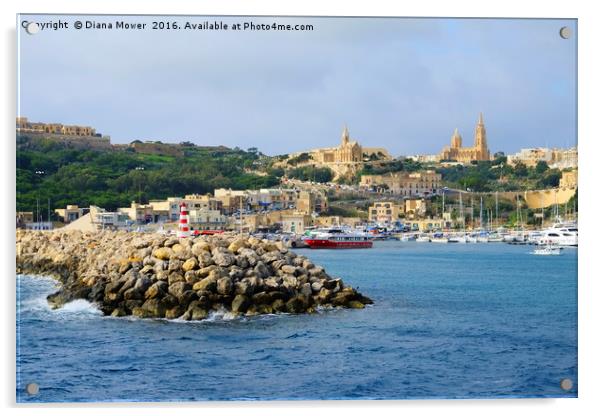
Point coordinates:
[[480, 140], [345, 136], [456, 140]]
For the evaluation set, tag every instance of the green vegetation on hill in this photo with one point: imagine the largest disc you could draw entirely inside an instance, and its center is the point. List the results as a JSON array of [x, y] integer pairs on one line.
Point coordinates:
[[113, 178], [497, 175]]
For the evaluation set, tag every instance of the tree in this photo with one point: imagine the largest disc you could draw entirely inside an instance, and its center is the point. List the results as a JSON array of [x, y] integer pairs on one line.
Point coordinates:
[[520, 170], [541, 167]]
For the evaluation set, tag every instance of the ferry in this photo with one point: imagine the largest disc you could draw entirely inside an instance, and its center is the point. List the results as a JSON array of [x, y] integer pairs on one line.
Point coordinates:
[[337, 238]]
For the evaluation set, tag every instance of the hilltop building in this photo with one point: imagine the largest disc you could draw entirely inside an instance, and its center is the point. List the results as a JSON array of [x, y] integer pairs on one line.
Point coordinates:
[[350, 151], [555, 158], [345, 159], [467, 154], [73, 135]]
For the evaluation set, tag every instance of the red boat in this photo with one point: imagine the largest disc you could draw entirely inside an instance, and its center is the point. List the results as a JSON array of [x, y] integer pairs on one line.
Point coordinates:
[[335, 238]]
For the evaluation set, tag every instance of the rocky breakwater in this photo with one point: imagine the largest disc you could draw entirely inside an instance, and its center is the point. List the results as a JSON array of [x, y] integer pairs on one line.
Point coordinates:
[[154, 276]]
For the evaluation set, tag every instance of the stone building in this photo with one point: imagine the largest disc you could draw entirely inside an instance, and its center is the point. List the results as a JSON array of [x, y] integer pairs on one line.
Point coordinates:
[[569, 179], [348, 152], [421, 183], [384, 212], [70, 213], [477, 152], [23, 125]]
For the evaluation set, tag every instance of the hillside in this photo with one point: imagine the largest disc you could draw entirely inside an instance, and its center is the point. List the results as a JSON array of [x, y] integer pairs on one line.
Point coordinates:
[[114, 177]]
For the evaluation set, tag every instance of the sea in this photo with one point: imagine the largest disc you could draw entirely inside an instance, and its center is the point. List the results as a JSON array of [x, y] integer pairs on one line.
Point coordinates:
[[448, 321]]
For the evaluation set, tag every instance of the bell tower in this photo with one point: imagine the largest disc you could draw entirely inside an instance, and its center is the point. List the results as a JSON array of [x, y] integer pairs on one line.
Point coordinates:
[[480, 140], [345, 136], [456, 140]]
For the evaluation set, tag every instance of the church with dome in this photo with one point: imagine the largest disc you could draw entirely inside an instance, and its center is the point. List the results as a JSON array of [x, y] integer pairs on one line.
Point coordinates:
[[478, 151]]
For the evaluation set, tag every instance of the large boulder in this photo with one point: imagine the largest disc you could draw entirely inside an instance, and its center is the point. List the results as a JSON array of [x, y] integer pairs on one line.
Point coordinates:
[[240, 304], [223, 258], [157, 289], [209, 283], [190, 264], [224, 286], [163, 253]]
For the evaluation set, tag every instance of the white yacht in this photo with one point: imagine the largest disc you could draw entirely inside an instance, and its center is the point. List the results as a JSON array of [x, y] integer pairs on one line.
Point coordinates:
[[560, 234]]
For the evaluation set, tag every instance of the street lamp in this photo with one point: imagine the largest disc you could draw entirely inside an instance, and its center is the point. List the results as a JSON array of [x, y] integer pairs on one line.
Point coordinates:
[[40, 172]]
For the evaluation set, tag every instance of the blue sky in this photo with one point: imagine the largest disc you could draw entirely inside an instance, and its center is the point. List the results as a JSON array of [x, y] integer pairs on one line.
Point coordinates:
[[403, 84]]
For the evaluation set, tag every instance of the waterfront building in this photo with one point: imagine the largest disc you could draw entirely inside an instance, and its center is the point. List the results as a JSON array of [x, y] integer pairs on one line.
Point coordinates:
[[384, 212], [424, 225], [296, 222], [337, 221], [70, 213], [206, 219], [139, 213], [421, 183], [23, 218], [103, 219], [479, 151]]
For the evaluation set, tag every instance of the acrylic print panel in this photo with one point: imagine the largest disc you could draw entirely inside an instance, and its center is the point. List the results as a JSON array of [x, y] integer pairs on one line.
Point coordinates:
[[292, 208]]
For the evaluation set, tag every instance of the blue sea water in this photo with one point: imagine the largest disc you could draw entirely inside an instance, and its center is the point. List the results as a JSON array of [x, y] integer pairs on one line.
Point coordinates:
[[449, 321]]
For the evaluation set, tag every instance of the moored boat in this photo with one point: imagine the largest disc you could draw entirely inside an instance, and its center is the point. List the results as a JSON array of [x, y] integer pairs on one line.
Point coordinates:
[[339, 239]]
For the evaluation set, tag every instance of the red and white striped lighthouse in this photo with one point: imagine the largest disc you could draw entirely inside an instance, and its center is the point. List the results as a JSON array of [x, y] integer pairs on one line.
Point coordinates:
[[183, 229]]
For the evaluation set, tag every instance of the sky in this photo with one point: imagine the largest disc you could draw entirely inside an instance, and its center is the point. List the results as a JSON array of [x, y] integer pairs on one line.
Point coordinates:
[[399, 83]]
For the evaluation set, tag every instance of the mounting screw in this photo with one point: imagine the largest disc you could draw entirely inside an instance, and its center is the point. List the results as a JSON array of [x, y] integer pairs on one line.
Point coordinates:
[[32, 389]]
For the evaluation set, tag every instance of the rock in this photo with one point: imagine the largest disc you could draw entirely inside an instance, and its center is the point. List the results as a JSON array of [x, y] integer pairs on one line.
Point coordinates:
[[190, 264], [224, 286], [163, 253], [223, 258], [279, 306], [170, 242], [243, 288], [200, 246], [148, 275], [177, 289], [154, 308], [289, 269], [306, 289], [289, 282], [175, 265], [297, 304], [261, 270], [209, 283], [198, 313], [191, 277], [58, 299], [143, 284], [343, 298], [356, 304], [240, 304], [174, 278], [316, 286], [237, 245], [261, 298], [175, 312], [133, 294], [156, 289], [324, 296]]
